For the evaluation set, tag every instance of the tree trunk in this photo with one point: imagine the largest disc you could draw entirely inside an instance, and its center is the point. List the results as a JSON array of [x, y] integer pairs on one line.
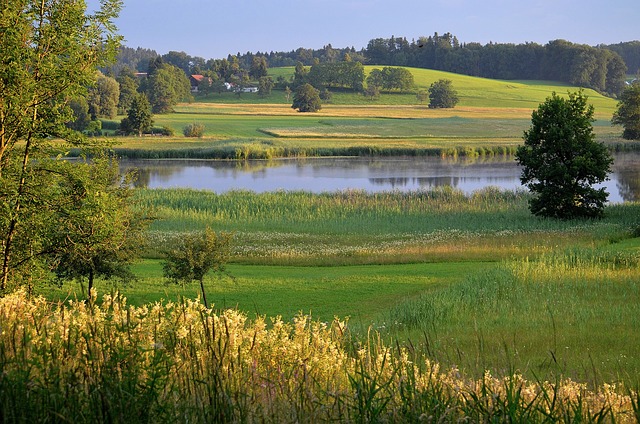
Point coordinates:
[[11, 231], [90, 286], [204, 296]]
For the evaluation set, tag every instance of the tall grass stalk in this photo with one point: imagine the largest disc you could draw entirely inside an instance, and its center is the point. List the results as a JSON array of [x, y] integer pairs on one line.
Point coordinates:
[[180, 362], [570, 312]]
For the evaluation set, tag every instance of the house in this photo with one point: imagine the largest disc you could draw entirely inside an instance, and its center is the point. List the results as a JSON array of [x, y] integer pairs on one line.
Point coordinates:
[[195, 81]]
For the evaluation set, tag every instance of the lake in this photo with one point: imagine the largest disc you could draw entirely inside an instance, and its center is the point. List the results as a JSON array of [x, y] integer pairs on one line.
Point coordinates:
[[369, 174]]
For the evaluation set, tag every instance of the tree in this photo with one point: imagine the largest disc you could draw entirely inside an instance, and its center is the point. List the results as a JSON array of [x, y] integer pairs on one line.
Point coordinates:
[[51, 51], [372, 92], [442, 94], [167, 86], [265, 85], [561, 160], [98, 233], [128, 89], [258, 67], [300, 75], [422, 95], [103, 97], [81, 117], [627, 113], [193, 130], [375, 79], [139, 118], [397, 79], [306, 99], [195, 256]]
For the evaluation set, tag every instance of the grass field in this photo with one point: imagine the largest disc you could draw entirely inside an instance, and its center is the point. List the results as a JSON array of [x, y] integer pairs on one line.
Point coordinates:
[[474, 280], [491, 114], [348, 306]]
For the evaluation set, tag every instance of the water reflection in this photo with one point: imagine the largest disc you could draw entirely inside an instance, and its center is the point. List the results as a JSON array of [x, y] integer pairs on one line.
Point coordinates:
[[370, 174]]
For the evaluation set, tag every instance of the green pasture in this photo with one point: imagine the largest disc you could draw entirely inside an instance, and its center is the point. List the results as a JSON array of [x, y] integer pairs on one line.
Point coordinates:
[[472, 91], [491, 113]]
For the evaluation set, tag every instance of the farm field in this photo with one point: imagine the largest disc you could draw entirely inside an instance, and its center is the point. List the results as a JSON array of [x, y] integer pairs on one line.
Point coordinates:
[[491, 114]]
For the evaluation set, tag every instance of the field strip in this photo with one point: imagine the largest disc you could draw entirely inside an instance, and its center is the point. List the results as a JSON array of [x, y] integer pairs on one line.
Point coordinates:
[[368, 111]]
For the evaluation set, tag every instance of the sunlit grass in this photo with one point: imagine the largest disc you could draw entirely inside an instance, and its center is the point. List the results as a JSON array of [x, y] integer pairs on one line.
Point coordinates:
[[569, 312], [355, 227], [180, 362]]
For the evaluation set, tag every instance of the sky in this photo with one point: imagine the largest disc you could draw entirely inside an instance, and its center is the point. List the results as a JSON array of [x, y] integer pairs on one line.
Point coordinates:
[[215, 29]]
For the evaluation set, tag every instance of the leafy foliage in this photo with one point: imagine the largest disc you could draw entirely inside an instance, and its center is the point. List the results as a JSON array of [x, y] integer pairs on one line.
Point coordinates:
[[167, 85], [103, 97], [51, 50], [98, 232], [442, 94], [197, 255], [139, 118], [306, 99], [561, 160], [193, 130], [628, 112]]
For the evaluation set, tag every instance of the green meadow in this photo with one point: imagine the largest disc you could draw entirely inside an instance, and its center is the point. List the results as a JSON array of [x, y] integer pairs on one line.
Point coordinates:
[[472, 281], [491, 115]]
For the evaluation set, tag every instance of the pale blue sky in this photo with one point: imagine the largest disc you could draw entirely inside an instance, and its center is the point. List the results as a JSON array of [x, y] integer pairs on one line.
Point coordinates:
[[214, 29]]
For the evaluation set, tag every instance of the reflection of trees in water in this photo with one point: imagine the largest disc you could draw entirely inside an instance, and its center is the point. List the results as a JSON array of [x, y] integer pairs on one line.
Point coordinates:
[[629, 183], [425, 182], [382, 172], [165, 170]]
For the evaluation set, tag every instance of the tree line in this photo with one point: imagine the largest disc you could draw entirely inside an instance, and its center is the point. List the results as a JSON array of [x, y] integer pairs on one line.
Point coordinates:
[[602, 68]]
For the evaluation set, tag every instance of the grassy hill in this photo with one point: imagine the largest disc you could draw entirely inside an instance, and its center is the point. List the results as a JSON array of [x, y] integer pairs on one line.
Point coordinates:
[[473, 92], [491, 114]]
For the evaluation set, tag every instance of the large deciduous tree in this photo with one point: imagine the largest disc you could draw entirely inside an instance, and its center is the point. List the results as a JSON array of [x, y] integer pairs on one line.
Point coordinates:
[[49, 53], [306, 99], [103, 97], [442, 94], [628, 112], [167, 85], [561, 160]]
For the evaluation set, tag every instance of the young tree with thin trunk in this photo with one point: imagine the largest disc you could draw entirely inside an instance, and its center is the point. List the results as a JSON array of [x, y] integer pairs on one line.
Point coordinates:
[[99, 231], [195, 256], [54, 49]]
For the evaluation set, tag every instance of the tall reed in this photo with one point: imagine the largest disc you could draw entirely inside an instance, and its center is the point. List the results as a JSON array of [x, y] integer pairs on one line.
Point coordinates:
[[180, 362]]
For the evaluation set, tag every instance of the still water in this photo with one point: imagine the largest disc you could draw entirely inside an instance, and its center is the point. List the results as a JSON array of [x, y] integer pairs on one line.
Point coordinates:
[[370, 174]]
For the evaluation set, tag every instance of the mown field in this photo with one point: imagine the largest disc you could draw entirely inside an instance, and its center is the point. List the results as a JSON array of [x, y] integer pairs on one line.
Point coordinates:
[[491, 114]]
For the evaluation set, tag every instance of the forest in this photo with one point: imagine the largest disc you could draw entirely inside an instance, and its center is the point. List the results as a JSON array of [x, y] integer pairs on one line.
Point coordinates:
[[603, 68]]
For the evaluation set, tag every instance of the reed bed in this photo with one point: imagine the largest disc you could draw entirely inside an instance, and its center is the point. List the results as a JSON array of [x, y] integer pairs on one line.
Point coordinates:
[[356, 226], [180, 362]]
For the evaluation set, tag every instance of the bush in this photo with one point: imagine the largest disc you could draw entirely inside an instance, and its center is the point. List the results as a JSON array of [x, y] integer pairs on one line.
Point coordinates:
[[167, 131], [193, 130]]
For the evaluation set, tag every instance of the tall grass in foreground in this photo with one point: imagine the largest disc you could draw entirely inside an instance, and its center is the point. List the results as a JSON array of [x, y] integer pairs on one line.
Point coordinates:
[[569, 312], [179, 362]]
